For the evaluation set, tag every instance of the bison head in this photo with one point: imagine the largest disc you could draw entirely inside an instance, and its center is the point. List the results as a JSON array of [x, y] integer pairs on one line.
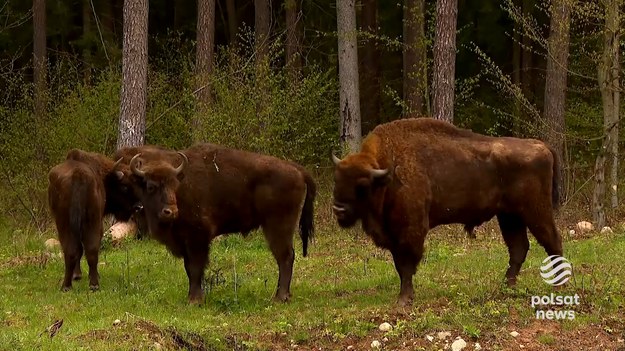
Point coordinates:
[[158, 182], [355, 181], [121, 198]]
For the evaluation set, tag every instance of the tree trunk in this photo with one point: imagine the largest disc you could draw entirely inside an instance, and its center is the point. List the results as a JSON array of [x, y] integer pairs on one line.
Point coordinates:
[[204, 57], [527, 57], [518, 124], [233, 25], [555, 83], [134, 74], [40, 62], [86, 30], [262, 27], [415, 59], [350, 129], [293, 39], [608, 77], [445, 59], [370, 67]]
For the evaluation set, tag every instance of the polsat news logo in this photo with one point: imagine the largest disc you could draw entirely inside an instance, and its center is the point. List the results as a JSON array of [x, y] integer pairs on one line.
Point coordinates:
[[555, 271]]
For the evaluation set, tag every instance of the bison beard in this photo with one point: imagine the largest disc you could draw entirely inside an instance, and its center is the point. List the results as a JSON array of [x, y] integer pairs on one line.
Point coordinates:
[[190, 197], [412, 175], [81, 190]]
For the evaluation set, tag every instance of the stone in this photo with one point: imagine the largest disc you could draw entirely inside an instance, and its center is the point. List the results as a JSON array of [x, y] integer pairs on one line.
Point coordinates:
[[385, 327]]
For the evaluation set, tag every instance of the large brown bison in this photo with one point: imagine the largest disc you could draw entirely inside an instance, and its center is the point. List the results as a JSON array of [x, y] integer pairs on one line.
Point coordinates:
[[412, 175], [81, 190], [212, 190]]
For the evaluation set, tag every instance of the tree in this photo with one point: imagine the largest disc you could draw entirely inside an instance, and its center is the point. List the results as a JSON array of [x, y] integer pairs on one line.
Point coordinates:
[[39, 57], [293, 38], [555, 82], [370, 67], [415, 59], [609, 85], [134, 74], [86, 32], [445, 59], [205, 49], [233, 25], [262, 28], [349, 99]]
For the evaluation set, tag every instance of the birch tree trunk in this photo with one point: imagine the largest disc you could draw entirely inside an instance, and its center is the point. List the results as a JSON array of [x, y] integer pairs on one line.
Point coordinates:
[[445, 59], [350, 129], [134, 74]]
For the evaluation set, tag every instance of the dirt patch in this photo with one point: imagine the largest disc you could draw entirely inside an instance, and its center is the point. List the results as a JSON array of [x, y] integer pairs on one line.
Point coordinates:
[[39, 259], [144, 334]]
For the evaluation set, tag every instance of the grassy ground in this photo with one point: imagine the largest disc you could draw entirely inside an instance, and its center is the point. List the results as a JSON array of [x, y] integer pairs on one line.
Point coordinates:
[[341, 293]]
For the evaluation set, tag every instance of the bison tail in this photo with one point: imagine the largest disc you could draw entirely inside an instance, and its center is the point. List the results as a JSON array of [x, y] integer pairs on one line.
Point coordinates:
[[555, 186], [306, 220], [78, 208]]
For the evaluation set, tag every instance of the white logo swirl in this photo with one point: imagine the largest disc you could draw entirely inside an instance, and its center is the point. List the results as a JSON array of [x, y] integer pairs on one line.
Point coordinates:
[[556, 270]]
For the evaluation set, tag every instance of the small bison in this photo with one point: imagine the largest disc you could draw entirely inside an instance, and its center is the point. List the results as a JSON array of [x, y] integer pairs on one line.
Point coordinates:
[[211, 190], [412, 175], [81, 191]]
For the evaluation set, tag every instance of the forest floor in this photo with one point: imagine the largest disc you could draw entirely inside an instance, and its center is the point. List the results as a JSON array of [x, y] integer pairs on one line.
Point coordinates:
[[342, 292]]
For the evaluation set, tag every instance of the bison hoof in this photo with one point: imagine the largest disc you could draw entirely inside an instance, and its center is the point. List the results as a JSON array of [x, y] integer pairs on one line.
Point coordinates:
[[94, 287], [77, 277], [197, 301], [404, 301], [282, 297], [511, 282], [66, 288]]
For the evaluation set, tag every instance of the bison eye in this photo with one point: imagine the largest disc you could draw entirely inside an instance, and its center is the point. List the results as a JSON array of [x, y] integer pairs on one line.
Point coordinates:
[[151, 188]]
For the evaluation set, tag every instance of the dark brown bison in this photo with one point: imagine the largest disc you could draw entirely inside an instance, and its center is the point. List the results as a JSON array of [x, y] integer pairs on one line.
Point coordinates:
[[412, 175], [81, 190], [212, 190]]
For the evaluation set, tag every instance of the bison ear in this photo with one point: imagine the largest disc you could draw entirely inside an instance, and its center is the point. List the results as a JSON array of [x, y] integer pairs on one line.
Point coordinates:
[[119, 174]]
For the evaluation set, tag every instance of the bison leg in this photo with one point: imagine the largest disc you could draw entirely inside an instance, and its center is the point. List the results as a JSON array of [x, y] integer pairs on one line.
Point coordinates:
[[406, 261], [544, 229], [195, 261], [279, 235], [72, 252], [77, 275], [514, 233], [92, 242]]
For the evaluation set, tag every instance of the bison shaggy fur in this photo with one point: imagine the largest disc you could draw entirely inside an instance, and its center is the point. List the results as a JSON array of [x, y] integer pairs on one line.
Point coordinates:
[[412, 175]]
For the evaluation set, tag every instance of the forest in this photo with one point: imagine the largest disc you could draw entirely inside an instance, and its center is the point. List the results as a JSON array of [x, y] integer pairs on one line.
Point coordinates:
[[301, 80]]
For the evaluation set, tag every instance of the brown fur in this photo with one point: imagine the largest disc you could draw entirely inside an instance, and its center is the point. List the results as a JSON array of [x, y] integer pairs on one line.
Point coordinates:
[[440, 174], [224, 191], [81, 190]]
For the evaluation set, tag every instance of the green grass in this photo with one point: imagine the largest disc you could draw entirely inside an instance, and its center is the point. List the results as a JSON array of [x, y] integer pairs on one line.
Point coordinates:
[[341, 293]]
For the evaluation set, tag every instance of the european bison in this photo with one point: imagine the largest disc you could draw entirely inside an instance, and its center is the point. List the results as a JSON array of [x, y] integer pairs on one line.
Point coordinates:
[[212, 190], [412, 175], [81, 190]]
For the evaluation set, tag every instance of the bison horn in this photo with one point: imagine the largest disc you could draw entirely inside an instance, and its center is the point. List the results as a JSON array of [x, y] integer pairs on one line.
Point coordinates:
[[184, 163], [336, 160], [116, 164], [133, 166], [377, 173]]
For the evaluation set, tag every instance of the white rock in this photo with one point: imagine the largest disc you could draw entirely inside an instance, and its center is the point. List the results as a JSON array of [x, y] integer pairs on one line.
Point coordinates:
[[429, 337], [477, 346], [458, 345], [385, 327], [572, 232], [385, 339], [350, 347], [514, 334], [158, 346], [52, 244], [620, 340], [121, 230], [116, 322], [606, 230], [443, 335], [375, 344], [585, 226]]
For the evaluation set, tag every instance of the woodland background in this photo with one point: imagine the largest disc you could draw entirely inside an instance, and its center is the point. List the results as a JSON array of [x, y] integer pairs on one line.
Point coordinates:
[[299, 78]]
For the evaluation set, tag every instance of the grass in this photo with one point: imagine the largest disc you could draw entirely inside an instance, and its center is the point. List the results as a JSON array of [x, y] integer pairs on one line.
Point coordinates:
[[341, 293]]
